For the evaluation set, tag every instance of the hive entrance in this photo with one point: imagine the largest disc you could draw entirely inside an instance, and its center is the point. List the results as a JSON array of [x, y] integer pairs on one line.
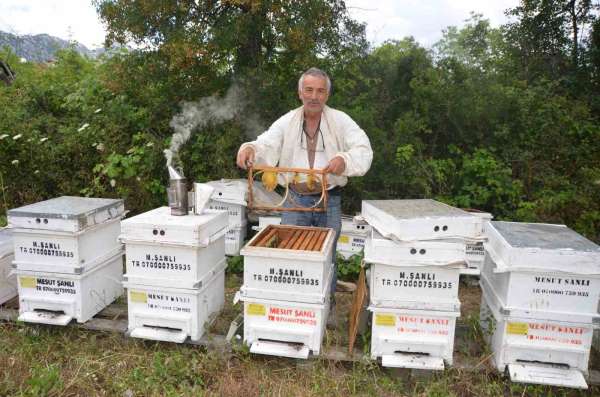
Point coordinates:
[[291, 237]]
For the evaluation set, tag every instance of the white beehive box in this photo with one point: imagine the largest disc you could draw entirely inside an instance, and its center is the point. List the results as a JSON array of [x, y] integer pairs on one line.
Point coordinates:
[[174, 314], [474, 255], [8, 282], [236, 212], [66, 213], [414, 253], [298, 274], [234, 240], [414, 287], [66, 234], [542, 268], [541, 247], [353, 236], [159, 226], [282, 328], [173, 251], [534, 350], [420, 275], [475, 251], [53, 298], [421, 339], [409, 220], [233, 191]]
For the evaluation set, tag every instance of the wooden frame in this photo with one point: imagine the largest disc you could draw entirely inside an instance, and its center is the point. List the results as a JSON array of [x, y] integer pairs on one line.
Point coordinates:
[[253, 169]]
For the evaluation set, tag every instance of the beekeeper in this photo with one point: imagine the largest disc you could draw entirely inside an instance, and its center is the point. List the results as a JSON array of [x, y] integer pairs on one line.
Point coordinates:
[[313, 136]]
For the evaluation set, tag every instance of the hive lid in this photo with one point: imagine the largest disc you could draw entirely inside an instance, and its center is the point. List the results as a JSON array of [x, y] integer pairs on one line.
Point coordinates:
[[66, 213], [515, 245], [6, 242], [192, 229], [69, 207], [232, 191], [421, 219], [543, 236]]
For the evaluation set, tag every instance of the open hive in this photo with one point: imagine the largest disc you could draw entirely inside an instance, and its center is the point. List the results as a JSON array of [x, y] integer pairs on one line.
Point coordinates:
[[291, 263], [286, 290], [300, 238]]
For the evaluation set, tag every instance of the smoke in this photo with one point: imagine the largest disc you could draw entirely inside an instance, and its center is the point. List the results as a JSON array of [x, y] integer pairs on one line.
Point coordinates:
[[213, 109]]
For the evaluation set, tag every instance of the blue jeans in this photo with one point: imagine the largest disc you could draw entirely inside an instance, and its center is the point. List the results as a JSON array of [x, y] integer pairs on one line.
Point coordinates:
[[331, 219]]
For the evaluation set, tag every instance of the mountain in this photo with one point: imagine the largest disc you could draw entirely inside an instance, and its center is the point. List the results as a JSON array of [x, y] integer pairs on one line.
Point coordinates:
[[42, 47]]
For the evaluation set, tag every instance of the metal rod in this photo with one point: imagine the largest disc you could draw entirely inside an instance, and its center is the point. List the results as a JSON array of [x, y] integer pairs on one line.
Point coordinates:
[[281, 209], [288, 169]]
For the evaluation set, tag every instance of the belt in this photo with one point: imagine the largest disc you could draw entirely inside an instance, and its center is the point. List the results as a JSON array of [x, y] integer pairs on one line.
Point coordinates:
[[336, 191]]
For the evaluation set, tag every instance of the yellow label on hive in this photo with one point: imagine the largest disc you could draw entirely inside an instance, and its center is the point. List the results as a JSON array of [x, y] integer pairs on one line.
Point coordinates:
[[254, 309], [344, 239], [517, 328], [28, 282], [138, 296], [388, 320]]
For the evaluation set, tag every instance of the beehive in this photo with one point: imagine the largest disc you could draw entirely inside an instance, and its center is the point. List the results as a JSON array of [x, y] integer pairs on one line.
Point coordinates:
[[289, 263], [541, 288], [174, 314], [286, 290], [354, 234], [173, 251], [57, 298], [66, 234], [544, 268]]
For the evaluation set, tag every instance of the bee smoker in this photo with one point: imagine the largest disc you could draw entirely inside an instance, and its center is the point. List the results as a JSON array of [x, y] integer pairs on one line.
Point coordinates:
[[177, 192]]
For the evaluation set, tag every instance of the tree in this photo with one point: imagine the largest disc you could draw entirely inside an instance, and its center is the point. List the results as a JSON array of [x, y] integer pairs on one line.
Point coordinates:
[[547, 35], [239, 38]]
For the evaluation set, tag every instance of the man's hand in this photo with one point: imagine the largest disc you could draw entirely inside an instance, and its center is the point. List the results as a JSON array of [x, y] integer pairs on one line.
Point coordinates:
[[245, 157], [336, 166]]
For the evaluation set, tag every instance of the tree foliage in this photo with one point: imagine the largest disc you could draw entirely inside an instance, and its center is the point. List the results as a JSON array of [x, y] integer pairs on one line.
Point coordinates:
[[500, 119]]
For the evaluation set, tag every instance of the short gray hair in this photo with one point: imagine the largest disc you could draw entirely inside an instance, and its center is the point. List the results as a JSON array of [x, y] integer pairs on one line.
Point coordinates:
[[315, 72]]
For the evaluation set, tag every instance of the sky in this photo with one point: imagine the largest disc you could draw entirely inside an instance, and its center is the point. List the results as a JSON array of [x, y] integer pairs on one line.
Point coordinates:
[[386, 19]]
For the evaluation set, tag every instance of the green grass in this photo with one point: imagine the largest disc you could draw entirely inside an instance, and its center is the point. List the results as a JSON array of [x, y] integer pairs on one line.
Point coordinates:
[[38, 360], [50, 361]]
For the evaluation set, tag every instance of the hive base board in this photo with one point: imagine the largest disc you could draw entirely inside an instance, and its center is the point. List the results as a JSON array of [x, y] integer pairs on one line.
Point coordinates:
[[546, 376], [413, 361]]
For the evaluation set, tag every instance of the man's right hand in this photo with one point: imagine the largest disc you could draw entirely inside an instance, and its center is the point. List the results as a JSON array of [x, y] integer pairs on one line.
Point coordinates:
[[245, 157]]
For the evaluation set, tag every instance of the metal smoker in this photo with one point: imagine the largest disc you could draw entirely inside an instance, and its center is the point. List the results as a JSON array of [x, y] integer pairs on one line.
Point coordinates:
[[177, 192]]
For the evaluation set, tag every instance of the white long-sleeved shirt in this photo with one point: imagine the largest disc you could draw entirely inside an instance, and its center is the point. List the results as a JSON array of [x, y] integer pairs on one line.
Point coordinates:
[[281, 143]]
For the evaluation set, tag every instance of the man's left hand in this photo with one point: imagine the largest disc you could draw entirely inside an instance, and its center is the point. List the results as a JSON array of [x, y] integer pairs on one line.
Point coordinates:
[[336, 166]]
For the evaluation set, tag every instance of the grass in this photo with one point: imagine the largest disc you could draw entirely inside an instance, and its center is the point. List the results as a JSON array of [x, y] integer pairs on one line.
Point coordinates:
[[69, 361]]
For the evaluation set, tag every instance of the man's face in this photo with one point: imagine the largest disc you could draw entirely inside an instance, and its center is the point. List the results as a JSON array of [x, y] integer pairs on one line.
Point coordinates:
[[314, 94]]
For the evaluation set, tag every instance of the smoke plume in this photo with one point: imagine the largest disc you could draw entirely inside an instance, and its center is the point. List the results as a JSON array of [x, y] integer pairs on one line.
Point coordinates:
[[213, 109]]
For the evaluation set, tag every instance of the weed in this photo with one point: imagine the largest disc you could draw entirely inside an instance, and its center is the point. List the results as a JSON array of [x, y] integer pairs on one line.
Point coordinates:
[[235, 264], [43, 380]]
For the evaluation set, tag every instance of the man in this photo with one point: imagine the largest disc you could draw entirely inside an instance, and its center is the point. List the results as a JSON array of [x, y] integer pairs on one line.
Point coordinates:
[[319, 137]]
